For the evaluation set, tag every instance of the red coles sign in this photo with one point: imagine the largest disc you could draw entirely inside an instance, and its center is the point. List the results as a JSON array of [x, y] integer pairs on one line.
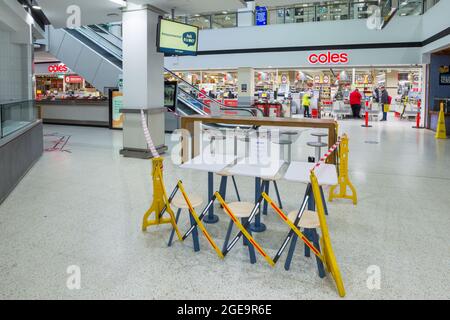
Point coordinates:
[[58, 68], [328, 58]]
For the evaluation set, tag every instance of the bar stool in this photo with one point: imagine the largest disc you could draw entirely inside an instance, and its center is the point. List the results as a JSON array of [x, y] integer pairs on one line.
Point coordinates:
[[179, 202], [309, 222], [318, 145], [265, 187], [241, 210], [283, 142]]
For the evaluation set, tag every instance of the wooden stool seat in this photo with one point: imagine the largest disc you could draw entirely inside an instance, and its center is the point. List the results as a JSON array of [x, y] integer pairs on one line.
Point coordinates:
[[309, 220], [224, 173], [241, 209], [179, 202], [274, 178]]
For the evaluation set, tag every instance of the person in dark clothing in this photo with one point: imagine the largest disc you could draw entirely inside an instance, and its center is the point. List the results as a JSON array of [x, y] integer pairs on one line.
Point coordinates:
[[355, 103], [376, 95], [384, 101]]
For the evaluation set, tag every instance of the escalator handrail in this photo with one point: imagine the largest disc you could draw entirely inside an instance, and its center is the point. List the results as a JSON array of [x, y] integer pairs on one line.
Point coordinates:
[[119, 40], [90, 37], [253, 111]]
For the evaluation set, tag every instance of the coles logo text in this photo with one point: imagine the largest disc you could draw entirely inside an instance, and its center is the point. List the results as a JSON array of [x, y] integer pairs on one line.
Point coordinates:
[[58, 68], [328, 58]]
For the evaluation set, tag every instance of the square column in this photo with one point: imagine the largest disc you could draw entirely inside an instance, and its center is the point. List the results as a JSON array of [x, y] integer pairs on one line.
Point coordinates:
[[143, 80], [246, 88]]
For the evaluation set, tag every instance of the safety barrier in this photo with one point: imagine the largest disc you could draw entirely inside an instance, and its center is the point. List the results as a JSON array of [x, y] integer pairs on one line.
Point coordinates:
[[161, 205], [343, 179], [418, 118], [441, 130], [366, 117]]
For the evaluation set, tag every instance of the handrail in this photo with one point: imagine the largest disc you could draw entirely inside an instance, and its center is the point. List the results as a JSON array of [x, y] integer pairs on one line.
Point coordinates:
[[222, 106], [89, 34]]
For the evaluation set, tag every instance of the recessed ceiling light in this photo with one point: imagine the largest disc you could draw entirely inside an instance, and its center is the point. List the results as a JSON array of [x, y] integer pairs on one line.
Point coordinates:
[[120, 2]]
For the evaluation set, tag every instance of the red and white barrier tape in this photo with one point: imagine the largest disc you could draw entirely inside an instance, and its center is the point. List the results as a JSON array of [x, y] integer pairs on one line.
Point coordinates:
[[326, 155], [148, 138]]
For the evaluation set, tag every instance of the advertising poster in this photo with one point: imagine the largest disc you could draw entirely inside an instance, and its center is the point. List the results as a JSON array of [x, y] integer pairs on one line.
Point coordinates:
[[117, 104]]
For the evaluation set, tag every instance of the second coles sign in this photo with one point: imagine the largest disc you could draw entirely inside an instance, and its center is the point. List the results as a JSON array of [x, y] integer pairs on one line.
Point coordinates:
[[328, 58]]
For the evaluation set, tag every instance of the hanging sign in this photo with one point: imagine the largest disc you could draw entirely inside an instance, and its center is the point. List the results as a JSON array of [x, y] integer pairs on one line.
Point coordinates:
[[261, 16]]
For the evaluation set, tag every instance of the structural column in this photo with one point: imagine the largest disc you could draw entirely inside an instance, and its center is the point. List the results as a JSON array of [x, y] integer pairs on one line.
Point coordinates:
[[246, 90], [143, 80]]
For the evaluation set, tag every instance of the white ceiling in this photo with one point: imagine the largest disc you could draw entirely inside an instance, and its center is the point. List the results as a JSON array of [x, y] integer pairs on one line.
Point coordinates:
[[279, 3], [96, 11]]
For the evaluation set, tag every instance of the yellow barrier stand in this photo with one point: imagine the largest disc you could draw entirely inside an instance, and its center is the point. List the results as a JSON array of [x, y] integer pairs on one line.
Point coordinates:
[[160, 200], [325, 243], [343, 180], [244, 231], [441, 131], [327, 257], [198, 221]]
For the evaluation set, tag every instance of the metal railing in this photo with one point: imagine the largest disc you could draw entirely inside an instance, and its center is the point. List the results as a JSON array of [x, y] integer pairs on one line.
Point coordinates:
[[313, 12]]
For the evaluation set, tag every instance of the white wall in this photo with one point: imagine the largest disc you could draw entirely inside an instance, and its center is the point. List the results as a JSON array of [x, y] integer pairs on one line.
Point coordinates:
[[15, 73]]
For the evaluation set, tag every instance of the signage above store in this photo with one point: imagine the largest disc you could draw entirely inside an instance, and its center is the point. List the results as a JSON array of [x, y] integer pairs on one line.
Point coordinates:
[[58, 68], [74, 79], [328, 58]]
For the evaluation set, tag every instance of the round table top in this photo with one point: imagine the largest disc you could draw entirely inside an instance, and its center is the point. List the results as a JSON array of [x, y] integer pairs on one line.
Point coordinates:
[[319, 134], [317, 144], [284, 142]]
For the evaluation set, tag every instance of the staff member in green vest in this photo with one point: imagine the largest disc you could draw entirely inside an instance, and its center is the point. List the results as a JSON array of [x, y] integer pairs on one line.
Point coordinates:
[[306, 102]]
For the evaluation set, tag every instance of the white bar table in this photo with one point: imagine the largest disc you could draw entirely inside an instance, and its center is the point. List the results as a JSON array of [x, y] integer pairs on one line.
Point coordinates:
[[211, 164], [247, 168], [301, 171]]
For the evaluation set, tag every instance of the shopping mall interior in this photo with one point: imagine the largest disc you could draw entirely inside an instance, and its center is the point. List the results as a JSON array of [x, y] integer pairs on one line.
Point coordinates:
[[224, 150]]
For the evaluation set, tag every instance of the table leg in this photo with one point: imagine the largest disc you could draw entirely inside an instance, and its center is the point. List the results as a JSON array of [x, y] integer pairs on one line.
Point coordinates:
[[258, 226], [211, 217]]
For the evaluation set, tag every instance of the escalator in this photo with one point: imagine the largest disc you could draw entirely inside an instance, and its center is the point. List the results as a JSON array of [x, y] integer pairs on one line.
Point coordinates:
[[96, 54]]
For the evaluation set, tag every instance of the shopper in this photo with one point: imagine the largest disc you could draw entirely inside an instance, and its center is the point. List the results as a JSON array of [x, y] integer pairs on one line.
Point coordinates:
[[306, 102], [355, 103], [376, 95], [384, 101]]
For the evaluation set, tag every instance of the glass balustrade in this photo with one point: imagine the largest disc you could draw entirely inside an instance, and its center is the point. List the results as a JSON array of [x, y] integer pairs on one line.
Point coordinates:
[[15, 116]]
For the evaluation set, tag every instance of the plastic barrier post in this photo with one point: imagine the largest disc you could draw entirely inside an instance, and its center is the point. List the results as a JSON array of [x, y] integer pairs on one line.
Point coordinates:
[[160, 202], [366, 117], [325, 243], [343, 180], [418, 117], [244, 231]]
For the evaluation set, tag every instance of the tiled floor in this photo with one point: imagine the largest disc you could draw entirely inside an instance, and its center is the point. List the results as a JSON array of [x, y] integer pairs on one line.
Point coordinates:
[[83, 206]]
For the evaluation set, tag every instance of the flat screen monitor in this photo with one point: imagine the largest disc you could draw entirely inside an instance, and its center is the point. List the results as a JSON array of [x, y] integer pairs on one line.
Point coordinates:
[[175, 38]]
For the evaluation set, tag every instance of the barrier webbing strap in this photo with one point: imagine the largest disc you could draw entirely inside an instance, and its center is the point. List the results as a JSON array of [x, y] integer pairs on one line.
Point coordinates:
[[244, 231], [202, 215], [292, 226], [297, 220], [198, 221], [246, 225]]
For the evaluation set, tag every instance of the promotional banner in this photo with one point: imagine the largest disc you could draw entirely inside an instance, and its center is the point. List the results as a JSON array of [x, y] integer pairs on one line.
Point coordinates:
[[117, 104]]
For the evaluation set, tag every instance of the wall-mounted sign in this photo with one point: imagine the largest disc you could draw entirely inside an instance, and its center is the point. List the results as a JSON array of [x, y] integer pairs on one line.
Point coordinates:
[[58, 68], [328, 58], [244, 88], [444, 76], [74, 79], [177, 38], [261, 16]]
